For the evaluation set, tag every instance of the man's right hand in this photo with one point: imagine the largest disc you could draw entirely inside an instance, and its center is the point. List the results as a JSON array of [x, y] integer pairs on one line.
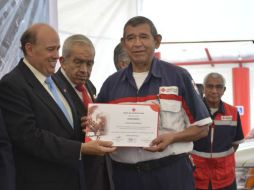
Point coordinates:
[[97, 147]]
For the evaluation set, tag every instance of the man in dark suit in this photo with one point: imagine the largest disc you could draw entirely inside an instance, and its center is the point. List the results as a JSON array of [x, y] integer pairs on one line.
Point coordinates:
[[7, 169], [76, 65], [121, 58], [45, 136]]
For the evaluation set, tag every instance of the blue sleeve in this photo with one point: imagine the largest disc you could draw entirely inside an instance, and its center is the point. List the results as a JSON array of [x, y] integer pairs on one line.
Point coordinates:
[[239, 131], [103, 94], [193, 99]]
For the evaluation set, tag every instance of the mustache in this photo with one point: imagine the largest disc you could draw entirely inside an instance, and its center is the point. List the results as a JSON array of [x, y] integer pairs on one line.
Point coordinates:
[[83, 78]]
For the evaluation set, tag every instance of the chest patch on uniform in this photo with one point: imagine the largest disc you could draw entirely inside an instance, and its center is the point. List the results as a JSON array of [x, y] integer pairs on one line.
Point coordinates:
[[227, 117], [169, 90]]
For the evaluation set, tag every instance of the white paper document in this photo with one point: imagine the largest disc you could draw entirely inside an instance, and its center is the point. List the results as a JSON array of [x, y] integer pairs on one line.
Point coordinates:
[[134, 125]]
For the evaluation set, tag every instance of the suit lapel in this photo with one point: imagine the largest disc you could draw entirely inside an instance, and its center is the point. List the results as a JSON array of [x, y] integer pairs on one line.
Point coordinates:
[[64, 90], [74, 100], [73, 95], [91, 89], [44, 96]]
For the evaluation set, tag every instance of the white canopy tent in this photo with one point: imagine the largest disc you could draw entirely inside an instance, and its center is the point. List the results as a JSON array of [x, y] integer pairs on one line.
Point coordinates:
[[101, 21], [178, 21], [182, 24]]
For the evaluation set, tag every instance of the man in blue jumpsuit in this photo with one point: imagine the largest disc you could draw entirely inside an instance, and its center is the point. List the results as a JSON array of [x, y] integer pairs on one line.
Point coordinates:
[[183, 117], [214, 154]]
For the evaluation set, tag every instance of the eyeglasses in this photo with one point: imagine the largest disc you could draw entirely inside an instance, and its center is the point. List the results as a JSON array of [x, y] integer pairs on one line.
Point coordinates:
[[217, 86]]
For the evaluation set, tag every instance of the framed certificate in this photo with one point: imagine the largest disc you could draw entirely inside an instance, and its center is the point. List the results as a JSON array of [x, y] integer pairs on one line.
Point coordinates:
[[129, 125]]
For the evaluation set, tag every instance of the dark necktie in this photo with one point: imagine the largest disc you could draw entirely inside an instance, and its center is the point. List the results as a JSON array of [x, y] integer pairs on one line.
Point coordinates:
[[85, 95], [53, 90]]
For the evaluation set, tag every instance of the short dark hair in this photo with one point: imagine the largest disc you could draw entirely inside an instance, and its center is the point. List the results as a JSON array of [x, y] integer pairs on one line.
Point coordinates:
[[29, 36], [135, 21], [118, 52]]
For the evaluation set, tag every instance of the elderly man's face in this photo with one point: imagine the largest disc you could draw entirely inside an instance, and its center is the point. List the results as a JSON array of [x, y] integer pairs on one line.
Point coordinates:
[[78, 66], [214, 90]]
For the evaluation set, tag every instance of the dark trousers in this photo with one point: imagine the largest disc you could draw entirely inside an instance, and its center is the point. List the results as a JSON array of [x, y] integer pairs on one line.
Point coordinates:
[[98, 174], [176, 175]]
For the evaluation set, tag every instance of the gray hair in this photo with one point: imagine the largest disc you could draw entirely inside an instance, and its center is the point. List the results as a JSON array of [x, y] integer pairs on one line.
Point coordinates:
[[215, 76], [75, 39]]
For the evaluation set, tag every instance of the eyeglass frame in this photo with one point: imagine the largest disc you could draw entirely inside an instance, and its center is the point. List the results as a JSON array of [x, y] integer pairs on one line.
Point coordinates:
[[217, 86]]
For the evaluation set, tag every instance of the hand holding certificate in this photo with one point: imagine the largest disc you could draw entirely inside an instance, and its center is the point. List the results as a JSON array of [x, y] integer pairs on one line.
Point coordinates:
[[125, 125]]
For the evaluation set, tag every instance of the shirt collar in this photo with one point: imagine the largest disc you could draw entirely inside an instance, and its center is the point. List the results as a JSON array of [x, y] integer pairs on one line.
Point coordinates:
[[36, 73], [221, 107], [67, 78], [154, 70]]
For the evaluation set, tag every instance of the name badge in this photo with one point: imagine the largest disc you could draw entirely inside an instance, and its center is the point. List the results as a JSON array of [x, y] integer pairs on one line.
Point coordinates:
[[169, 90], [227, 118]]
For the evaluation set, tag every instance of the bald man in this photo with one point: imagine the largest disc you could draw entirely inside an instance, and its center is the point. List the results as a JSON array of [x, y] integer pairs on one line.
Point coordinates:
[[41, 121]]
